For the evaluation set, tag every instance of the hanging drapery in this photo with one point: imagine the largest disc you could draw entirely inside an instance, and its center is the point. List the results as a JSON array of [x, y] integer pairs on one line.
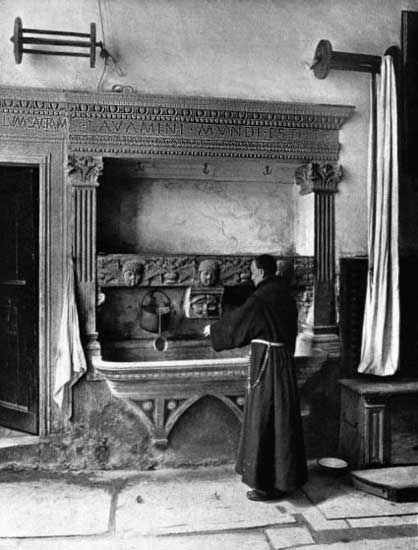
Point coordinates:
[[381, 324], [70, 360]]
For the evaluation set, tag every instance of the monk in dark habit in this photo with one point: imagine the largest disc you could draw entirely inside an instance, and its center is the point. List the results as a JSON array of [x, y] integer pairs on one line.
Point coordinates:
[[271, 453]]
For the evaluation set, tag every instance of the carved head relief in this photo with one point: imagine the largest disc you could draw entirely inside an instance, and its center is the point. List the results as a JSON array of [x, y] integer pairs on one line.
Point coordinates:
[[208, 272], [284, 269], [201, 304], [132, 272]]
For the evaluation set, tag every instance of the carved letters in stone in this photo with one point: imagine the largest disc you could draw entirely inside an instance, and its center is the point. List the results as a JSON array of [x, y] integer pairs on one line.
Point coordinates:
[[95, 123]]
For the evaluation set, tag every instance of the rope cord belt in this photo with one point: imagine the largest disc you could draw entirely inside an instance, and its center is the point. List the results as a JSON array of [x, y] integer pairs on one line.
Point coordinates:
[[269, 345]]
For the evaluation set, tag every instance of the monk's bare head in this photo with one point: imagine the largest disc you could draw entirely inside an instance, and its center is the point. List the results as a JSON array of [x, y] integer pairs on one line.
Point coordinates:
[[262, 267]]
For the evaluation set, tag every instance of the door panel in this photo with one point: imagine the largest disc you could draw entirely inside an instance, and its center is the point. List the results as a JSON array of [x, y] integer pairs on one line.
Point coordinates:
[[19, 372]]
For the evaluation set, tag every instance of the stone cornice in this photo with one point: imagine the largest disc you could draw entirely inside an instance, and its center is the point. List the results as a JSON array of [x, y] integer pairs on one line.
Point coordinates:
[[146, 125], [209, 110]]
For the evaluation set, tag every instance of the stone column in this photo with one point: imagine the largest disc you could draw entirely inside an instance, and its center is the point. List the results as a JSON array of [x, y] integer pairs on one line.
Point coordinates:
[[322, 180], [83, 173]]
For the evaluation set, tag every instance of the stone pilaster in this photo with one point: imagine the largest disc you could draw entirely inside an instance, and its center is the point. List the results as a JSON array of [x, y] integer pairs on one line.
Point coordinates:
[[322, 179], [83, 173]]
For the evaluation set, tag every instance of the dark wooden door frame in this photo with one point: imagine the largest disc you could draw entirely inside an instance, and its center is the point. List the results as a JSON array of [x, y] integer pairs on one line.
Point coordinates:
[[43, 163], [19, 405]]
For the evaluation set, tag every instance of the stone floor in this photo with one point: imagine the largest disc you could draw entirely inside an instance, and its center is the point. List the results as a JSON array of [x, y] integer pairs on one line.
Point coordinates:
[[200, 509]]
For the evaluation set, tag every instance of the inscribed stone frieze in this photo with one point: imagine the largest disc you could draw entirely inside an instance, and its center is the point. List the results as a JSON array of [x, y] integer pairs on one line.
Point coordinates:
[[159, 125]]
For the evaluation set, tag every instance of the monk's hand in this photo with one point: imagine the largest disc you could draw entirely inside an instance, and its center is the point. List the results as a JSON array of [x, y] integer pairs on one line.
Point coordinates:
[[206, 331]]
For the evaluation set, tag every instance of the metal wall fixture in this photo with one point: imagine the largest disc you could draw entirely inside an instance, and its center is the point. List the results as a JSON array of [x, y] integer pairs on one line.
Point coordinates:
[[326, 59], [77, 40]]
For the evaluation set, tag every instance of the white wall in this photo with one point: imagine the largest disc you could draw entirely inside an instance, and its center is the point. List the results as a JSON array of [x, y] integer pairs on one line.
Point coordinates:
[[254, 49]]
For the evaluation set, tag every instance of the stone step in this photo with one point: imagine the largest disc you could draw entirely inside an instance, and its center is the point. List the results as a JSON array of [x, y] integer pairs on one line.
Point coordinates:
[[397, 483]]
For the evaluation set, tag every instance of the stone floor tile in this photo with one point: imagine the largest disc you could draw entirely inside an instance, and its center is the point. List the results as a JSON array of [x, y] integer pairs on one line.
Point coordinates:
[[339, 500], [400, 543], [319, 523], [172, 506], [286, 537], [91, 543], [218, 541], [52, 508], [295, 503], [229, 541], [383, 521]]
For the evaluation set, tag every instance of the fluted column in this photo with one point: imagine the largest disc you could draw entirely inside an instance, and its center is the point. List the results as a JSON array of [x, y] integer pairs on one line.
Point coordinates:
[[83, 174], [322, 180]]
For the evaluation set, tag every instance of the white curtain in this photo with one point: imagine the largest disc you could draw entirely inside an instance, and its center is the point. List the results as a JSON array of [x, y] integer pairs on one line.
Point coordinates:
[[381, 324], [70, 360]]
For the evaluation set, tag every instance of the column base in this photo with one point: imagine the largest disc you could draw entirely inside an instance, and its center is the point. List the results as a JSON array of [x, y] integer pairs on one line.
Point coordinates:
[[323, 338], [93, 351]]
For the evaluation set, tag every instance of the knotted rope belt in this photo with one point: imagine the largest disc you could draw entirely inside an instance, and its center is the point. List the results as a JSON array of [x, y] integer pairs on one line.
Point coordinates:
[[269, 345]]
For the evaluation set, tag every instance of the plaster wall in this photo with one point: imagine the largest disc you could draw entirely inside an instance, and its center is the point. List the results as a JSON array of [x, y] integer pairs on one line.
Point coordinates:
[[304, 222], [241, 48], [179, 214], [214, 217]]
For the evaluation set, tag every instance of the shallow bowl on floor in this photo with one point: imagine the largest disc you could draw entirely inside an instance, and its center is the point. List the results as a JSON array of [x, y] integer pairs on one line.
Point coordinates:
[[333, 465]]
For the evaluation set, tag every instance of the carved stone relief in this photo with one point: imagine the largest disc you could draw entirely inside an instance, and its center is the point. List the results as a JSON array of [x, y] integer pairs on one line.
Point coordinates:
[[318, 177], [203, 303], [84, 170], [183, 271], [322, 179], [162, 125], [208, 272], [204, 299], [187, 270], [132, 272], [83, 174], [94, 125]]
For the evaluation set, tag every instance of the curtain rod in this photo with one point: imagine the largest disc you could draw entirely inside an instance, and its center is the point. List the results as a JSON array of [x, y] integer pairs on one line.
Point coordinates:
[[326, 59]]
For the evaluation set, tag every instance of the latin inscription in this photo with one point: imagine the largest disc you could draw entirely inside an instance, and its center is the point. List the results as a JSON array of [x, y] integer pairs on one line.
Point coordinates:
[[49, 124], [190, 130]]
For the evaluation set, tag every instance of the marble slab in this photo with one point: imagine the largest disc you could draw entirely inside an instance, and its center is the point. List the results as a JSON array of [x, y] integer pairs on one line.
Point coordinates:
[[400, 543], [229, 541], [172, 506], [338, 500], [49, 508], [385, 521], [288, 537], [397, 477]]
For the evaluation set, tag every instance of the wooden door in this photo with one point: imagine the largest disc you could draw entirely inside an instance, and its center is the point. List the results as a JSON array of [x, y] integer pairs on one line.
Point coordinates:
[[19, 369]]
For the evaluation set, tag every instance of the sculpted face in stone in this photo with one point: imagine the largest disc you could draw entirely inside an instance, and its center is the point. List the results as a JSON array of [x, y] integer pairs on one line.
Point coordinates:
[[285, 269], [205, 306], [208, 272], [132, 273]]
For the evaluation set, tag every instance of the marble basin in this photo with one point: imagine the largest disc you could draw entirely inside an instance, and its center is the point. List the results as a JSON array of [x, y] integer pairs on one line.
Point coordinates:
[[160, 389]]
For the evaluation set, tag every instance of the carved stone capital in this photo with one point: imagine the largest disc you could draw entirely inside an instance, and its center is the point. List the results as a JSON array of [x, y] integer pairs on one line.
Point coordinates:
[[318, 178], [84, 170]]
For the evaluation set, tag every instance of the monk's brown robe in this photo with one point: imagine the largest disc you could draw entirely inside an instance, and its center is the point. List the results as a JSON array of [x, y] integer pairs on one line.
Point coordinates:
[[271, 452]]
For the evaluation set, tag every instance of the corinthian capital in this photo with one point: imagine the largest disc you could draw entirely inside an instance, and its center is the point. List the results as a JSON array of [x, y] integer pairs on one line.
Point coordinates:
[[84, 170], [318, 178]]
